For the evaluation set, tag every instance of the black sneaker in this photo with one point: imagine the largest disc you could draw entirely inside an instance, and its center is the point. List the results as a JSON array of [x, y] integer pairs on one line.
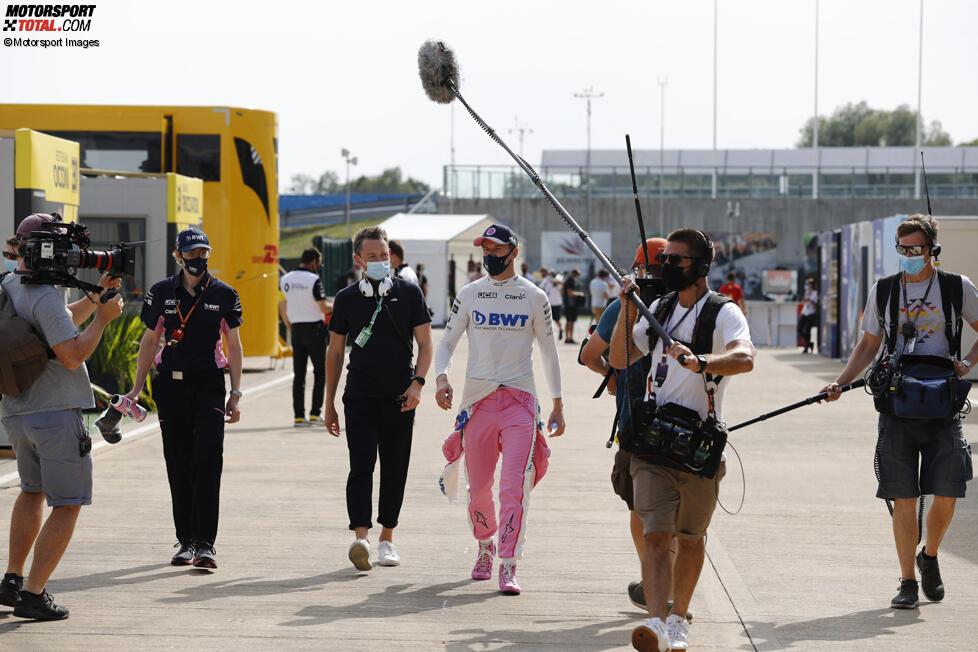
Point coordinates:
[[39, 607], [906, 598], [930, 577], [636, 593], [184, 556], [205, 556], [10, 588]]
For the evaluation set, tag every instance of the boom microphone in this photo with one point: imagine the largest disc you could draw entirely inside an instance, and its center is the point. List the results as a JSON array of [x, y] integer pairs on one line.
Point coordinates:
[[438, 69]]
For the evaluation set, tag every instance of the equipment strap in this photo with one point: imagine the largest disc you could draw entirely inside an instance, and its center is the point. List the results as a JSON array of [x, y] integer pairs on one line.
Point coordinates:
[[952, 300]]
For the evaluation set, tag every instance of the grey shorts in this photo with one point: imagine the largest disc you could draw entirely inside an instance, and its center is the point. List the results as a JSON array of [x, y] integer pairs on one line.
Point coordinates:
[[922, 456], [621, 478], [48, 460]]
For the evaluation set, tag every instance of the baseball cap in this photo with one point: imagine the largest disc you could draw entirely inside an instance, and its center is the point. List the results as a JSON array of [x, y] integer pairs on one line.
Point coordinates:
[[499, 234], [655, 246], [36, 222], [192, 238]]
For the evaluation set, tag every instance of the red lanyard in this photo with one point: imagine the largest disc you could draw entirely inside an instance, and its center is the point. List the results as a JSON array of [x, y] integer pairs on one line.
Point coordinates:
[[178, 333]]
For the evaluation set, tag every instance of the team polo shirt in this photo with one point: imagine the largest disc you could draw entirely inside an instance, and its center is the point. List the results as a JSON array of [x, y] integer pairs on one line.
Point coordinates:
[[302, 289], [382, 367], [218, 311]]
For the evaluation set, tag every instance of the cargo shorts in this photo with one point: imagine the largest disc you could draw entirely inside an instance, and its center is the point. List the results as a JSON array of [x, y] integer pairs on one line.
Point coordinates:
[[922, 456], [670, 500], [621, 478], [47, 448]]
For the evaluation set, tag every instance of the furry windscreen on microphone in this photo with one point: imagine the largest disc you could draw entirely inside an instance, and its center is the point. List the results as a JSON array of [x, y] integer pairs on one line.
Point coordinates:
[[437, 66]]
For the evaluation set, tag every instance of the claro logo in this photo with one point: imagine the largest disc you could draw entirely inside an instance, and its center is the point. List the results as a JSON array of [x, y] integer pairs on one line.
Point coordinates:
[[499, 319]]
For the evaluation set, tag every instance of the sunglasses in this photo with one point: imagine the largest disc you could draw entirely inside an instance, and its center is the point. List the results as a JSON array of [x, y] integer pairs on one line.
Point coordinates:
[[912, 250], [10, 256], [673, 259]]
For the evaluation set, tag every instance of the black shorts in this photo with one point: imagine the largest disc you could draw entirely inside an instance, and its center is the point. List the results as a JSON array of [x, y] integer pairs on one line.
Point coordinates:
[[621, 478], [555, 310], [571, 314], [922, 456]]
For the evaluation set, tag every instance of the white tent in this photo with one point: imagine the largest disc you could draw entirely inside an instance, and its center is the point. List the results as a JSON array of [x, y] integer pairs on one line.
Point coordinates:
[[437, 241]]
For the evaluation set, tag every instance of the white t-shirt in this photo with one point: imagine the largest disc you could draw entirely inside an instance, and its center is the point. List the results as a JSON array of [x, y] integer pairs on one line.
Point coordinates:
[[302, 289], [553, 292], [405, 273], [501, 319], [811, 300], [682, 386], [930, 323], [598, 288]]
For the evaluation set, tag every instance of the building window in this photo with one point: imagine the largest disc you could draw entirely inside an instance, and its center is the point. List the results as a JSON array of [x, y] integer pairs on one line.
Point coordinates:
[[117, 151], [199, 155]]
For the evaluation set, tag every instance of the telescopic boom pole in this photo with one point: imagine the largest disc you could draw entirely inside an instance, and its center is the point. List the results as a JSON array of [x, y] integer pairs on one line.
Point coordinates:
[[795, 406]]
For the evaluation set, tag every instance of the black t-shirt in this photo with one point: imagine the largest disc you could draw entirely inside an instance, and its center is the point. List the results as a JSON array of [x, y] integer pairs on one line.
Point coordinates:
[[383, 366], [570, 285], [218, 309]]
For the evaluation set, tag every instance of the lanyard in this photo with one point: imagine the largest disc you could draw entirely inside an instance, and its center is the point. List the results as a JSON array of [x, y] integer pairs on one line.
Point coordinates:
[[910, 332], [177, 335], [662, 369]]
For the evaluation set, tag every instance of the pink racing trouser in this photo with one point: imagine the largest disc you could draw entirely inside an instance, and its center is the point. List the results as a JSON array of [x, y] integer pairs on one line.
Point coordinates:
[[503, 421]]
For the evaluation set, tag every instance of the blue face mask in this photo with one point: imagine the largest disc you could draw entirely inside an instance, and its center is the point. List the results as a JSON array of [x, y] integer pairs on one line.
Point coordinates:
[[378, 270], [11, 265], [912, 264]]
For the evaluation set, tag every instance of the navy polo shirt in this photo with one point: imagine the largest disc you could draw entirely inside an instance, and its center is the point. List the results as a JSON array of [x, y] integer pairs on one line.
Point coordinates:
[[200, 349], [383, 367]]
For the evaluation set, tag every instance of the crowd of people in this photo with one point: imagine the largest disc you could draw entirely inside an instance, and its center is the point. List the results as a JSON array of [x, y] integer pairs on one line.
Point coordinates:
[[668, 377]]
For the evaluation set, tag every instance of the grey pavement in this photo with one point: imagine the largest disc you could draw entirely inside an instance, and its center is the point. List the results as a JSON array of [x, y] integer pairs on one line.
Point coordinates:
[[807, 564]]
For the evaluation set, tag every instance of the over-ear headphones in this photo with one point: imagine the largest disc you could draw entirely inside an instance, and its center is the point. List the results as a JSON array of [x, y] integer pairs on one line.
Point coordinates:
[[366, 286], [701, 267], [935, 247]]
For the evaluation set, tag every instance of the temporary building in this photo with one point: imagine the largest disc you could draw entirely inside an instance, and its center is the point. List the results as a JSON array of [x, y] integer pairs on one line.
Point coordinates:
[[443, 243]]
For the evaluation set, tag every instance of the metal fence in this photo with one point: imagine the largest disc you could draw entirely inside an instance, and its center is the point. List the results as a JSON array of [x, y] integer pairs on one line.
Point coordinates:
[[500, 182]]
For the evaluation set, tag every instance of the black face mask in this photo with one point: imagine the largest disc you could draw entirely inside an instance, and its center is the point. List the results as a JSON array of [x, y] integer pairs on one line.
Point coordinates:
[[495, 265], [675, 277], [195, 266]]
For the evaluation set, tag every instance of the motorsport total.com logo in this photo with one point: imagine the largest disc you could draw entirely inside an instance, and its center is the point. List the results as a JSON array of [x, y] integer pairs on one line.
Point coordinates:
[[48, 18]]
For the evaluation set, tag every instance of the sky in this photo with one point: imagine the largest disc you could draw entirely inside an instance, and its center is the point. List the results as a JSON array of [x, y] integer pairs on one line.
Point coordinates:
[[344, 74]]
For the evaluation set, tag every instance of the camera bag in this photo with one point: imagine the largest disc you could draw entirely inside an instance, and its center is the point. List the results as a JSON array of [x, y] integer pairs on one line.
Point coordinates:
[[23, 353]]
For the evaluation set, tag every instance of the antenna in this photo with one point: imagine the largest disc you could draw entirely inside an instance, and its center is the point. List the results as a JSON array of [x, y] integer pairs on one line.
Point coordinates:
[[926, 191]]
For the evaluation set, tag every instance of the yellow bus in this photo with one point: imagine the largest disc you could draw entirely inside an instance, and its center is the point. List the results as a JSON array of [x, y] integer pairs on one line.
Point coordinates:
[[234, 151]]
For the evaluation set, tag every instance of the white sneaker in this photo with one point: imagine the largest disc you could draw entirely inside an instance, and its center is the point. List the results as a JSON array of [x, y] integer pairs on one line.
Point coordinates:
[[360, 554], [678, 631], [387, 554], [651, 636]]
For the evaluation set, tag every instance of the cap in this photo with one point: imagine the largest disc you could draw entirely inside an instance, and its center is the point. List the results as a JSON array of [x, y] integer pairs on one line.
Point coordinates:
[[192, 238], [498, 233], [36, 222], [655, 246]]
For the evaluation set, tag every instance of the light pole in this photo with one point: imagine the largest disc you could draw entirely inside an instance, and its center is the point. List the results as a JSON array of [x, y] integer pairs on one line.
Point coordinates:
[[662, 153], [815, 160], [345, 153], [522, 130], [920, 78], [588, 94], [713, 193]]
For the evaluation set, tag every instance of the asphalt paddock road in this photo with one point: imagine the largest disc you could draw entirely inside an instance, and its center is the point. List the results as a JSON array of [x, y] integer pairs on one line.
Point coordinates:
[[807, 564]]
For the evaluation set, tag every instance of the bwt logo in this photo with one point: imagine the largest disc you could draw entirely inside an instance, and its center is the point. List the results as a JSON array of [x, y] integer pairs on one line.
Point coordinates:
[[499, 319]]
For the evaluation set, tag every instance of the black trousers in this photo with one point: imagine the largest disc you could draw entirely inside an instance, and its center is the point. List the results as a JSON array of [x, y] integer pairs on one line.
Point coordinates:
[[805, 324], [308, 341], [192, 420], [373, 426]]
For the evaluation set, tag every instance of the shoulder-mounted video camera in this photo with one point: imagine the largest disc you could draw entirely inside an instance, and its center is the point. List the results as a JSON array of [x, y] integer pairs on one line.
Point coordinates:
[[54, 255]]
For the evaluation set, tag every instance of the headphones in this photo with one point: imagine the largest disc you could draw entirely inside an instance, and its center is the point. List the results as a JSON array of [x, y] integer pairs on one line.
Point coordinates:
[[366, 286], [701, 266]]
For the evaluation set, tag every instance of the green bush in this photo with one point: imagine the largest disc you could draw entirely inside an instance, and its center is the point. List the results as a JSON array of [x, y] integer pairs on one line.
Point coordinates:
[[113, 364]]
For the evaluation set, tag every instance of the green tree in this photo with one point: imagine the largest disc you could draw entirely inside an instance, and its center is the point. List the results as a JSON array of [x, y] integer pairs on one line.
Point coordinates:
[[858, 125], [970, 143], [327, 184], [389, 181]]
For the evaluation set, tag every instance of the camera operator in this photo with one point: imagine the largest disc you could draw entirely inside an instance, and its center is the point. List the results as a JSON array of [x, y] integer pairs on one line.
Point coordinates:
[[382, 387], [670, 499], [593, 357], [47, 432], [911, 314], [191, 311]]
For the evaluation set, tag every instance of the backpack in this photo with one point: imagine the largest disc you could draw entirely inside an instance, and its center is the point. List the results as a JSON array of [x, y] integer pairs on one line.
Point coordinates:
[[952, 297], [23, 353]]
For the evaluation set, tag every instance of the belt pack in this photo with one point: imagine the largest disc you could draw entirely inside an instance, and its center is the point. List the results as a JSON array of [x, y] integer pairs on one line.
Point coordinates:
[[923, 387], [674, 436]]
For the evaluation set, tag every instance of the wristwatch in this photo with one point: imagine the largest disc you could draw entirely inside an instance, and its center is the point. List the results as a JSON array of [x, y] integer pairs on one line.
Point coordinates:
[[420, 379], [236, 392], [702, 360], [966, 363]]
